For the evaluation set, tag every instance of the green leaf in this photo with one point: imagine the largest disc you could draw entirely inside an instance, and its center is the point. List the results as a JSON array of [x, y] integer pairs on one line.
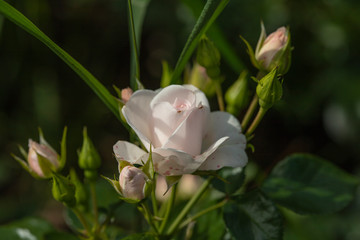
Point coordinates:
[[141, 236], [310, 185], [232, 180], [228, 53], [25, 229], [210, 12], [137, 10], [253, 216], [19, 19]]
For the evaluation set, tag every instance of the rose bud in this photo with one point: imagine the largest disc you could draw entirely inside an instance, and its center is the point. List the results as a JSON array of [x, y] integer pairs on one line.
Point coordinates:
[[42, 159], [133, 183], [274, 50]]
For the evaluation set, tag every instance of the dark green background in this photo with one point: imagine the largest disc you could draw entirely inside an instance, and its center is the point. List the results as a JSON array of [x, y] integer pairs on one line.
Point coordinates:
[[319, 112]]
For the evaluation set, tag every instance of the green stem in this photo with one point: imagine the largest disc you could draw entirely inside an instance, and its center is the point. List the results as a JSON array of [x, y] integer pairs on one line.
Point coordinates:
[[83, 221], [255, 123], [188, 206], [94, 203], [249, 113], [131, 17], [149, 217], [199, 214], [220, 97], [170, 204], [154, 203]]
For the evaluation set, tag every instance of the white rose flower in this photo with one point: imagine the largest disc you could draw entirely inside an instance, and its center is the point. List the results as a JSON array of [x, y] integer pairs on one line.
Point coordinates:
[[184, 135]]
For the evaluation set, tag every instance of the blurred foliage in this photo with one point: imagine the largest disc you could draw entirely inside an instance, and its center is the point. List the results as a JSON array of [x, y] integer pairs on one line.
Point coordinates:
[[319, 112]]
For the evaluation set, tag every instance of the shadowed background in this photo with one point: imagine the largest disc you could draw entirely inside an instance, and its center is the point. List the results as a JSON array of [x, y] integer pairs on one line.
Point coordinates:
[[319, 112]]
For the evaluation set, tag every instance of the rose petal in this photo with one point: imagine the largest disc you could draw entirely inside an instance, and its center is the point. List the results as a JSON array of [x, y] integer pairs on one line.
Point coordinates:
[[171, 162], [232, 155], [200, 96], [166, 120], [188, 136], [220, 124], [128, 152], [176, 95], [137, 113]]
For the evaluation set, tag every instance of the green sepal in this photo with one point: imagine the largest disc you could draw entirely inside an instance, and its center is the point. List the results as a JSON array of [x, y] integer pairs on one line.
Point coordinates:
[[23, 163], [269, 89], [166, 75], [62, 157], [148, 167], [122, 164], [251, 53], [63, 190], [207, 54], [261, 38], [114, 183], [139, 85], [81, 195], [43, 141], [46, 167], [171, 181], [22, 151]]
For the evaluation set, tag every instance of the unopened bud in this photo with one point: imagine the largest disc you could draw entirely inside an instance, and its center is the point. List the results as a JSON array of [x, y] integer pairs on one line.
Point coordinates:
[[274, 50], [269, 90], [89, 159], [42, 159], [81, 195], [199, 78], [133, 183], [63, 191], [126, 94], [208, 56], [237, 95]]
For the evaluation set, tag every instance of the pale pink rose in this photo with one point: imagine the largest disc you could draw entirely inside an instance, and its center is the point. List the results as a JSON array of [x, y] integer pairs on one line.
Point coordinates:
[[275, 42], [37, 150], [184, 135], [132, 183]]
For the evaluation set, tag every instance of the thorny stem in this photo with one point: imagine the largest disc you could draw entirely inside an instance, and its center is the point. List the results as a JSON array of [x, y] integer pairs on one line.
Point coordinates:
[[188, 206], [199, 214], [170, 204], [255, 123]]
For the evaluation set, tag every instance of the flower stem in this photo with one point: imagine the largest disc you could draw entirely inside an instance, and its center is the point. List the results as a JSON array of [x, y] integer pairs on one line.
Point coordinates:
[[249, 113], [168, 208], [220, 98], [94, 203], [82, 219], [149, 218], [199, 214], [255, 123], [154, 203], [188, 206]]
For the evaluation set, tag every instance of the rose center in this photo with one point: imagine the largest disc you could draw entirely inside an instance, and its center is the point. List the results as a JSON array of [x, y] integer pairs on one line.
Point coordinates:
[[181, 104]]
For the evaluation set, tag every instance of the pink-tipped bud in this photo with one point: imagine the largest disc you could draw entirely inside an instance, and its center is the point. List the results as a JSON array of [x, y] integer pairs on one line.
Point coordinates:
[[42, 159], [126, 94], [133, 183], [274, 50]]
